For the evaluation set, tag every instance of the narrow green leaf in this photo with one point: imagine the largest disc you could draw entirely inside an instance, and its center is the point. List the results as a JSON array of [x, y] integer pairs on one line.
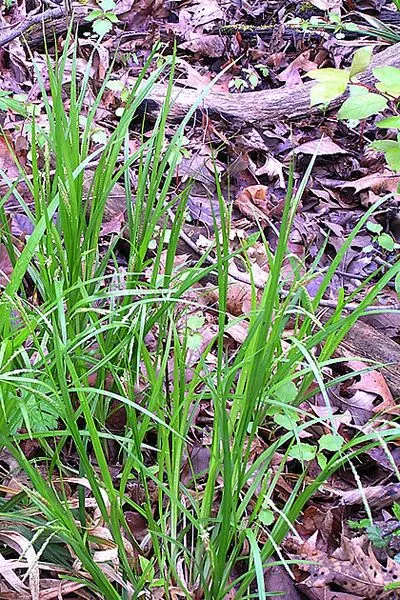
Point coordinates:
[[397, 283]]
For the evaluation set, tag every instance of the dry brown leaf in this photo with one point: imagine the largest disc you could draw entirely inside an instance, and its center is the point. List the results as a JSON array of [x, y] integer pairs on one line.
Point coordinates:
[[196, 464], [208, 333], [360, 405], [330, 5], [377, 496], [7, 573], [377, 182], [7, 163], [353, 567], [6, 267], [205, 45], [114, 224], [27, 552], [237, 331], [194, 79], [137, 525], [273, 168], [239, 297], [291, 75], [204, 13], [258, 274], [374, 382], [315, 519], [324, 593], [320, 147], [277, 580], [253, 204]]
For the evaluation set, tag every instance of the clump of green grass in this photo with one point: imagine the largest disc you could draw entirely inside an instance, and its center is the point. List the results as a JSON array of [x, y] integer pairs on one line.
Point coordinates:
[[70, 360]]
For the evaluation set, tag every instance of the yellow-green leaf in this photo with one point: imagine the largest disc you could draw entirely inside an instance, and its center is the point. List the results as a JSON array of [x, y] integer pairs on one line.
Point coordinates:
[[361, 60], [332, 83], [362, 106], [389, 80]]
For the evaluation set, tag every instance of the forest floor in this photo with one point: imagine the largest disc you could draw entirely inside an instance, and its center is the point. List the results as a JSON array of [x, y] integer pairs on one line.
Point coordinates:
[[246, 64]]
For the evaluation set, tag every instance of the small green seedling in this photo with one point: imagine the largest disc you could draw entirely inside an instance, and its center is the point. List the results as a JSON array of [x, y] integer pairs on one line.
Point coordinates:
[[385, 241], [195, 324], [104, 18], [250, 79]]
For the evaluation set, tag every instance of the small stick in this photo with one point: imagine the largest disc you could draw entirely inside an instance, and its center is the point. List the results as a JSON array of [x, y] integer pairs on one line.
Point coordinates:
[[246, 279]]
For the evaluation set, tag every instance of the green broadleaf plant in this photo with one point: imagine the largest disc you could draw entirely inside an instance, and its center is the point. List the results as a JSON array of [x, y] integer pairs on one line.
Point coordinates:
[[103, 18], [363, 101]]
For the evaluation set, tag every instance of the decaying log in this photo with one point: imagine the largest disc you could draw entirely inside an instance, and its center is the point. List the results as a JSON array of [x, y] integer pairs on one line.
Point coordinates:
[[48, 24], [367, 342], [256, 108]]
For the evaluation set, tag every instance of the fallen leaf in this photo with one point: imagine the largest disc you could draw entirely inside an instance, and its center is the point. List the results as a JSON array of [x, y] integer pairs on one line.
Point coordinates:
[[252, 203], [324, 593], [377, 496], [137, 525], [360, 405], [278, 581], [25, 549], [197, 464], [203, 209], [237, 331], [273, 168], [320, 147], [374, 382], [377, 182], [7, 163], [114, 224], [330, 5], [205, 45], [352, 567], [238, 299], [6, 267], [21, 226], [291, 75], [204, 13]]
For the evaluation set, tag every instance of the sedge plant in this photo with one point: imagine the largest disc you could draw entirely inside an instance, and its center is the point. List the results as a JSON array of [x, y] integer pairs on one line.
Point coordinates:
[[96, 343]]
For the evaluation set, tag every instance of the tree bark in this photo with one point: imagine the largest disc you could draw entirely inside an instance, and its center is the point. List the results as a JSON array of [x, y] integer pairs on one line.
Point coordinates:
[[257, 108], [364, 340]]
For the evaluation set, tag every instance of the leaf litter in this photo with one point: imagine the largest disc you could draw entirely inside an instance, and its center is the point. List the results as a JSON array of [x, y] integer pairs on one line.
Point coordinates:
[[253, 164]]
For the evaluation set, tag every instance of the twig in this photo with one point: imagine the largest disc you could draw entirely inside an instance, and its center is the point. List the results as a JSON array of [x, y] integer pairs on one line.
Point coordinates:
[[20, 28], [260, 286]]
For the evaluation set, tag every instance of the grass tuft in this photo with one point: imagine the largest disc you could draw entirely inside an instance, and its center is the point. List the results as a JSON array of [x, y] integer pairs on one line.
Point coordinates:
[[88, 351]]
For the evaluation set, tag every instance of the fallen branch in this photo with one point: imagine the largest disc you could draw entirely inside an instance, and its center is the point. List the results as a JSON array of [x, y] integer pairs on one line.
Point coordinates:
[[366, 341], [35, 27], [256, 108]]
